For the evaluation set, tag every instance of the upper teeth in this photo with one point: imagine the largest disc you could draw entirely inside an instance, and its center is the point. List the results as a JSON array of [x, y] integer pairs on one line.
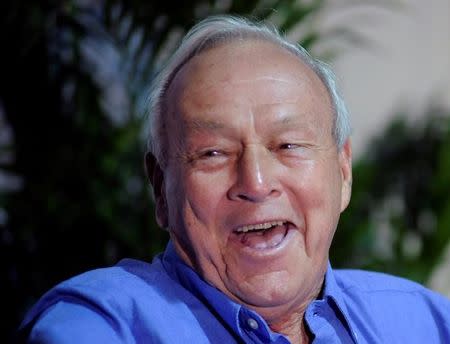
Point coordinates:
[[265, 225]]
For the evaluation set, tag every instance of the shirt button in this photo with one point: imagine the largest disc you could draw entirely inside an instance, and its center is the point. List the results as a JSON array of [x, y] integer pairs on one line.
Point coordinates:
[[252, 323]]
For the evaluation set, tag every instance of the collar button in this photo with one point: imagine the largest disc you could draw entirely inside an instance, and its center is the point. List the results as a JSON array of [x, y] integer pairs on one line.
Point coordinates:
[[252, 323]]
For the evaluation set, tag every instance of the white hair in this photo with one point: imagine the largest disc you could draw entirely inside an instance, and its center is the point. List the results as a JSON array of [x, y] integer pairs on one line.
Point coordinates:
[[212, 32]]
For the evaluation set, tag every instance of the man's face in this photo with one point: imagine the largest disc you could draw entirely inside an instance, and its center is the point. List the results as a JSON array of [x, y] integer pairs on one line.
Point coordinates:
[[254, 184]]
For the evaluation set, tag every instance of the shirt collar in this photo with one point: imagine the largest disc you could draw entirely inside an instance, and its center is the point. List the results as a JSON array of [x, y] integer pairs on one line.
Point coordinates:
[[230, 311], [333, 293]]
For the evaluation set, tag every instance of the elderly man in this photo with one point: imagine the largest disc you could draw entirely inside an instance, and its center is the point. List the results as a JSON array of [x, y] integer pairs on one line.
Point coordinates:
[[251, 167]]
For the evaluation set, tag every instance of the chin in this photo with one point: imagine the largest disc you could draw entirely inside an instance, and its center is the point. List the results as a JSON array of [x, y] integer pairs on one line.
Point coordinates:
[[273, 289]]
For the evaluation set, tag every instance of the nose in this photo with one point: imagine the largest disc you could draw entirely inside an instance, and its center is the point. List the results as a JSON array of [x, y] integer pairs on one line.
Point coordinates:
[[256, 176]]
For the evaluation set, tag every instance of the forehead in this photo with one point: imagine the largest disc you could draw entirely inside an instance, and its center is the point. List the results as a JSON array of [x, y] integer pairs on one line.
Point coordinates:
[[240, 59], [254, 73]]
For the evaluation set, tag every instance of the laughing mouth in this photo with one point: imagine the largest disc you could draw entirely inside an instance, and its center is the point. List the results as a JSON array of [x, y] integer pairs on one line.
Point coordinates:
[[259, 227], [264, 235]]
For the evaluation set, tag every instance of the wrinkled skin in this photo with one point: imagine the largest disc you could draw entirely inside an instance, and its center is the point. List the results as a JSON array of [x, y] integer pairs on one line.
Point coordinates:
[[250, 142]]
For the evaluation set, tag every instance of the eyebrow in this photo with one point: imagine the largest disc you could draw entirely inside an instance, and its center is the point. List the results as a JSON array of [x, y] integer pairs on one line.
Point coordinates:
[[287, 121], [204, 124], [290, 122]]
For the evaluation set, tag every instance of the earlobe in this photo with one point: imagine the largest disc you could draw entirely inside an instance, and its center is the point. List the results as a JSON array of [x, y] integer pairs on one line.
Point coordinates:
[[161, 213], [345, 161], [156, 178]]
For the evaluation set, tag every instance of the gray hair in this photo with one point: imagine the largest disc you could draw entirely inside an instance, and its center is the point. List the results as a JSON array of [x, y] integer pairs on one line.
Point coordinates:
[[217, 30]]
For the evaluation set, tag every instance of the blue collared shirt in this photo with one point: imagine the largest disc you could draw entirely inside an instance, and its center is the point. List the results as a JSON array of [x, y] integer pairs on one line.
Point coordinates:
[[167, 302]]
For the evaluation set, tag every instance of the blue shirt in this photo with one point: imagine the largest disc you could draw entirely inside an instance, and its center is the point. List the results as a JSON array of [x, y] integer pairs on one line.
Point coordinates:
[[167, 302]]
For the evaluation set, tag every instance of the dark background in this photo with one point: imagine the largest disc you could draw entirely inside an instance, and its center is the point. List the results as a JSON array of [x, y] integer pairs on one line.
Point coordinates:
[[73, 194]]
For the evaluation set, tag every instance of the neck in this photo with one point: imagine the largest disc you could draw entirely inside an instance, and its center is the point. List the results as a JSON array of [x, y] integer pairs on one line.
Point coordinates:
[[291, 323], [293, 327]]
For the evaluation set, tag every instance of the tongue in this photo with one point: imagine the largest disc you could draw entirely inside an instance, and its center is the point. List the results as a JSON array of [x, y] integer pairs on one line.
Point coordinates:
[[264, 239]]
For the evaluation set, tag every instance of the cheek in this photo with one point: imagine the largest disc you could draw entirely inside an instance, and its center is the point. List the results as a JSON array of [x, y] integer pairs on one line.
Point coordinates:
[[324, 187], [314, 185], [317, 196], [195, 214], [204, 195]]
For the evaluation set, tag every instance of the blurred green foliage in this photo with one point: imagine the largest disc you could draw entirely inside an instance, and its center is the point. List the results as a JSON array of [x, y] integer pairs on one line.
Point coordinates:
[[74, 77], [398, 220]]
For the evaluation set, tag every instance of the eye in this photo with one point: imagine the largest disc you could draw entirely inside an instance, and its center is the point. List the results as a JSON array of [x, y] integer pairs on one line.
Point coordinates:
[[296, 150], [210, 159], [288, 146], [211, 153]]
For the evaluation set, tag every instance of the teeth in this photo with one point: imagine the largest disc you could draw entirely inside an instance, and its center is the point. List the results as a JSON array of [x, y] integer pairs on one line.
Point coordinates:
[[265, 225]]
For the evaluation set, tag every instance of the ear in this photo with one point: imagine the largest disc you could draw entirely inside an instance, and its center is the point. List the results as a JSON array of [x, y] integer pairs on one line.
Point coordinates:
[[345, 163], [156, 178]]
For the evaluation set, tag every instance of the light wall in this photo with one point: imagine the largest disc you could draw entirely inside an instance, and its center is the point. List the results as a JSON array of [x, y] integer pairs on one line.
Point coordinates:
[[404, 60]]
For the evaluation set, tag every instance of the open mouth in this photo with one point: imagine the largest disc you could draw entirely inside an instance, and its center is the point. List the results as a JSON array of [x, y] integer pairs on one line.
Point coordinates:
[[263, 236]]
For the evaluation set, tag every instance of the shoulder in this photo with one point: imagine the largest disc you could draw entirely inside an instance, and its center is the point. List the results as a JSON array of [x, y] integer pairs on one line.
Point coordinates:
[[373, 282], [113, 287], [133, 299], [128, 275], [123, 293], [394, 304], [128, 279], [383, 286]]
